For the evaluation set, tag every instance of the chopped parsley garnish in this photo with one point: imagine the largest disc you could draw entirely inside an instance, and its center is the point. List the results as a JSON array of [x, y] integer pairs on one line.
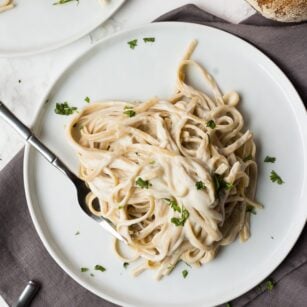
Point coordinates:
[[247, 158], [200, 185], [173, 204], [185, 273], [276, 178], [92, 275], [64, 1], [228, 305], [133, 43], [125, 264], [149, 39], [143, 184], [228, 186], [87, 99], [269, 285], [19, 81], [220, 184], [100, 268], [129, 113], [269, 159], [211, 124], [179, 221], [77, 233], [251, 209], [64, 109], [84, 270]]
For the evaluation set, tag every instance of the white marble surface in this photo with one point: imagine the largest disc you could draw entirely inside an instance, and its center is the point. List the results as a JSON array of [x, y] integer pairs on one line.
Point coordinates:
[[37, 73]]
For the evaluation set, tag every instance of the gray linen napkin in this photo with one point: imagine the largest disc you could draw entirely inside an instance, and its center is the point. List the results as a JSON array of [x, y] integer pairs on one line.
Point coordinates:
[[23, 257]]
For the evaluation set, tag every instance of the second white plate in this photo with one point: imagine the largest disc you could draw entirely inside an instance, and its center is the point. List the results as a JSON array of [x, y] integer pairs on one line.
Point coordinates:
[[37, 25], [272, 110]]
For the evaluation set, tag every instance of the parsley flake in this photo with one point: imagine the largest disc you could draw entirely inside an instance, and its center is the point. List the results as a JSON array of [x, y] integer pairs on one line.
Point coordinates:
[[87, 99], [247, 158], [99, 267], [133, 43], [276, 178], [129, 113], [269, 159], [77, 233], [64, 109], [211, 124], [64, 1], [149, 39], [125, 264], [200, 185], [269, 285], [228, 186], [84, 270], [173, 204], [220, 184], [180, 221], [143, 184], [185, 273]]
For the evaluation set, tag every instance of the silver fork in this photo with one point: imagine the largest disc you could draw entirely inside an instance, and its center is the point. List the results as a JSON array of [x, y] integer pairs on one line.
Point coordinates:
[[82, 189]]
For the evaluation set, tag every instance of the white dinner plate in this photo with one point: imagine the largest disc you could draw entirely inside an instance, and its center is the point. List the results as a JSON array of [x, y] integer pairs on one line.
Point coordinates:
[[37, 25], [272, 110]]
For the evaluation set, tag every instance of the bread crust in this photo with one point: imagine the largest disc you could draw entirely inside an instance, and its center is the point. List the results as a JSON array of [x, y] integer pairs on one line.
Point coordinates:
[[281, 10]]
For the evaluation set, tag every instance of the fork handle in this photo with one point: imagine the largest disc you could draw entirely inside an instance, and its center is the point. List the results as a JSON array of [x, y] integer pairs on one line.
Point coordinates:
[[26, 133]]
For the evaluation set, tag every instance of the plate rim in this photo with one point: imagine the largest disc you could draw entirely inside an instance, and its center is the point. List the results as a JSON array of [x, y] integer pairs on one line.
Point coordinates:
[[66, 42], [297, 107]]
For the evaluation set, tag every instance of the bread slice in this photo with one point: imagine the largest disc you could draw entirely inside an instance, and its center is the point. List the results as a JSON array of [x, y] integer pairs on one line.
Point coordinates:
[[282, 10]]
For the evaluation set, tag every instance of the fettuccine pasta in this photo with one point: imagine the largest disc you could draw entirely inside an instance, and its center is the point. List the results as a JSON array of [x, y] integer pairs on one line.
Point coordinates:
[[6, 5], [177, 177]]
